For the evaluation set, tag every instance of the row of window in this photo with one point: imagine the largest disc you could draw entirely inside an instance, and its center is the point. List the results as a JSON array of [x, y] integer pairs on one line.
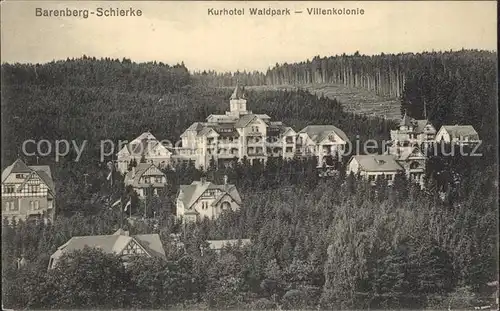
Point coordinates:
[[204, 205], [387, 177], [149, 180], [210, 193], [30, 188], [8, 189], [11, 206]]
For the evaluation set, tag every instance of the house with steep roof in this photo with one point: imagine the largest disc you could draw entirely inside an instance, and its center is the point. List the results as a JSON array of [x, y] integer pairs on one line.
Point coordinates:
[[146, 179], [28, 192], [206, 199], [326, 142], [413, 132], [145, 147], [372, 167], [237, 134], [119, 243], [412, 160], [458, 134]]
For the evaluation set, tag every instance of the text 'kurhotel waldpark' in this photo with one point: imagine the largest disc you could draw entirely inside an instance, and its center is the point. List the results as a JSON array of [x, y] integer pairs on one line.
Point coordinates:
[[285, 12]]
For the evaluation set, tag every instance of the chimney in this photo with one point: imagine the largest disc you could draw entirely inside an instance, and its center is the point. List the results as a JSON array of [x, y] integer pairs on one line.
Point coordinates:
[[133, 171], [225, 179], [203, 180]]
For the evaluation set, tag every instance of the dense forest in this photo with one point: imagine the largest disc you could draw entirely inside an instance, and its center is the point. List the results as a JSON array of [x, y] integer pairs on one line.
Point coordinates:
[[458, 87], [333, 243], [386, 74]]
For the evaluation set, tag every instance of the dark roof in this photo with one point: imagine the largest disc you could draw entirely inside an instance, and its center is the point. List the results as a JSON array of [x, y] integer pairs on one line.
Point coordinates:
[[244, 120], [420, 126], [238, 93], [405, 121]]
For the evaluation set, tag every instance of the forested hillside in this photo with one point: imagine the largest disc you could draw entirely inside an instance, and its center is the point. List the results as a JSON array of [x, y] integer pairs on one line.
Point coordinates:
[[334, 243], [458, 87]]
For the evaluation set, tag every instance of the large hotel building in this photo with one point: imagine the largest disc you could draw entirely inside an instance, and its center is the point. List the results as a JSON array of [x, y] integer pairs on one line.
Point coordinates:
[[238, 134]]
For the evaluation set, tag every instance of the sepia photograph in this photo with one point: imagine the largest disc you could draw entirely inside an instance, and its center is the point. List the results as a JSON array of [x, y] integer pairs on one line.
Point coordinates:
[[249, 155]]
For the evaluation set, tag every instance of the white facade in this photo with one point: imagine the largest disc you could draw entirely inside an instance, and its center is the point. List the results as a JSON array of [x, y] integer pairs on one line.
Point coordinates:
[[240, 134], [203, 199], [458, 134], [28, 192], [372, 167], [145, 146]]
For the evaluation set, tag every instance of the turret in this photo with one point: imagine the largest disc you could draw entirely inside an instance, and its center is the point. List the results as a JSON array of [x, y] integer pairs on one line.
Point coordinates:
[[238, 102]]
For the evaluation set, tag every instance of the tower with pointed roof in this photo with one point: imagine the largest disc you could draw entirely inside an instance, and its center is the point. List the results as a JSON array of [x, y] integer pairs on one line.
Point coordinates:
[[238, 102]]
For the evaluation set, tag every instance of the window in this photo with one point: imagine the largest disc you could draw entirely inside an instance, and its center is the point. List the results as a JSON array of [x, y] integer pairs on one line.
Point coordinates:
[[147, 180], [389, 177], [289, 149], [37, 205], [9, 188], [19, 176], [204, 205], [158, 179], [371, 177], [33, 188], [226, 205], [10, 206]]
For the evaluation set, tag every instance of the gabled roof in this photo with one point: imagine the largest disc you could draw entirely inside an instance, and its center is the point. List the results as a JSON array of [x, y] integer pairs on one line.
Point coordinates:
[[318, 133], [286, 129], [404, 153], [19, 167], [238, 93], [205, 131], [405, 121], [196, 126], [420, 126], [189, 194], [244, 120], [151, 243], [132, 178], [145, 135], [461, 130], [377, 163], [114, 243]]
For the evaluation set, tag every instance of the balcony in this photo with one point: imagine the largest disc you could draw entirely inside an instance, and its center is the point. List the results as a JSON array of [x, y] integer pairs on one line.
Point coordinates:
[[185, 151], [255, 142]]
